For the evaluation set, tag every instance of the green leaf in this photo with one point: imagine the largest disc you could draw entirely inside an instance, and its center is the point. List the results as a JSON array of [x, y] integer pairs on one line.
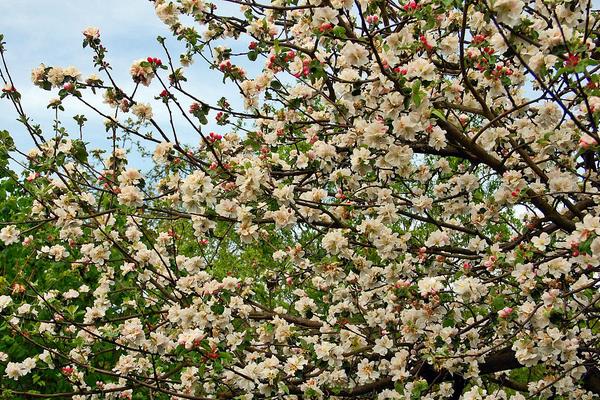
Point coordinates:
[[217, 366], [218, 308], [418, 389], [7, 140], [339, 31], [79, 151], [439, 114], [498, 303], [417, 95]]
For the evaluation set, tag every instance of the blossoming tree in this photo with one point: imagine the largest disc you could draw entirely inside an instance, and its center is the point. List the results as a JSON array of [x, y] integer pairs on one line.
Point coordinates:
[[391, 214]]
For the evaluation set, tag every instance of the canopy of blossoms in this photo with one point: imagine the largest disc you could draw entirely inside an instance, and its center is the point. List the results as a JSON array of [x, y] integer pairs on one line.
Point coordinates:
[[405, 205]]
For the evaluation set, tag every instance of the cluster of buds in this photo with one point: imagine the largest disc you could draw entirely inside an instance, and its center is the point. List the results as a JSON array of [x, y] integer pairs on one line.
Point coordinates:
[[488, 50], [505, 312], [226, 66], [212, 354], [106, 176], [305, 69], [372, 19], [228, 186], [68, 370], [422, 254], [264, 150], [478, 39], [18, 288], [197, 342], [587, 141], [571, 60], [490, 263], [402, 284], [106, 179], [296, 251], [340, 194], [213, 137], [9, 88], [194, 108], [313, 139], [213, 166], [325, 27], [575, 249], [171, 233], [411, 6], [463, 119], [124, 105], [275, 61], [224, 103], [289, 56], [32, 176], [501, 70], [26, 242], [221, 118], [482, 63], [154, 61], [425, 43], [273, 65], [253, 45], [164, 94]]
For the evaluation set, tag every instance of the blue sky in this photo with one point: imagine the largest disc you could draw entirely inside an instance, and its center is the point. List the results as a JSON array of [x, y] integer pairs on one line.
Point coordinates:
[[49, 32]]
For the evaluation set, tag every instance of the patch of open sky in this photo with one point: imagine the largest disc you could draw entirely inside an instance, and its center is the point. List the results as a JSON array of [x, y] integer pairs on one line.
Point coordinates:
[[50, 33]]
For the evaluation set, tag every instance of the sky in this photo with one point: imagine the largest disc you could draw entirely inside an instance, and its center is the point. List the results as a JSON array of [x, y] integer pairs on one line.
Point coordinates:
[[50, 32]]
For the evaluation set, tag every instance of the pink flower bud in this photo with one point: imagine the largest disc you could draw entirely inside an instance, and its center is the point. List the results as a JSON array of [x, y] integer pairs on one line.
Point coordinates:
[[505, 312]]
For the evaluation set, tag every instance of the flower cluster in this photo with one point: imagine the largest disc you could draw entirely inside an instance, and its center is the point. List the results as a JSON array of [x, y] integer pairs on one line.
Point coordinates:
[[387, 214]]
